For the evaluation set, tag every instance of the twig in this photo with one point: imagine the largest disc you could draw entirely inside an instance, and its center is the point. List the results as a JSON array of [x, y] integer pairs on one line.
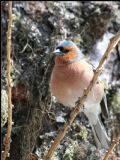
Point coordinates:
[[76, 110], [114, 143], [27, 45], [8, 50]]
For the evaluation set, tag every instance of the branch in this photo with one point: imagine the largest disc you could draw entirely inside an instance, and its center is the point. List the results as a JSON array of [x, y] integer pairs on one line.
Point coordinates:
[[76, 110], [114, 143], [8, 50]]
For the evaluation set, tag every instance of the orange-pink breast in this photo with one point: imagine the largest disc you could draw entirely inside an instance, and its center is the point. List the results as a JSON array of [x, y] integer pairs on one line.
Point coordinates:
[[69, 80]]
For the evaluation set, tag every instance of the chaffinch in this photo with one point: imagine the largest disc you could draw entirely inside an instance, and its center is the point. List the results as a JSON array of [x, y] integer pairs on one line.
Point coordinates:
[[70, 76]]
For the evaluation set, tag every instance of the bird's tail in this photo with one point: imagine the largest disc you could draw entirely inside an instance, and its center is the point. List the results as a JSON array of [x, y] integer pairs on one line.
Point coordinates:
[[100, 134]]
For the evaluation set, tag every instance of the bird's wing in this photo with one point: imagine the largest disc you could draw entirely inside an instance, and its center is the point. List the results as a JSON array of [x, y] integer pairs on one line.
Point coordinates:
[[104, 108]]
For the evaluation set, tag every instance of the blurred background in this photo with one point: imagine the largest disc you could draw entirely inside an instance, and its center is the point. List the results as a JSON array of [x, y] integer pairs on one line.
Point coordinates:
[[38, 26]]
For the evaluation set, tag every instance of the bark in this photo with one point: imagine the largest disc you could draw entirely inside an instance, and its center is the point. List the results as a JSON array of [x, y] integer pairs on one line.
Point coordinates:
[[37, 29]]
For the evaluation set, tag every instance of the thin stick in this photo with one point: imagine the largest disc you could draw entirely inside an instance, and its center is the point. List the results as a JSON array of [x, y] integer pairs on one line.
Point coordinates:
[[114, 143], [76, 110], [8, 49]]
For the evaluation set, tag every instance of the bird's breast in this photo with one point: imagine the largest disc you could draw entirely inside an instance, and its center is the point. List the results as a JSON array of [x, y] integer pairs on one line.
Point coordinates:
[[68, 82]]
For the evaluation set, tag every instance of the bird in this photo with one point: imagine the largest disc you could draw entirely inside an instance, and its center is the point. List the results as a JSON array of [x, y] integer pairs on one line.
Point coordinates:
[[71, 75]]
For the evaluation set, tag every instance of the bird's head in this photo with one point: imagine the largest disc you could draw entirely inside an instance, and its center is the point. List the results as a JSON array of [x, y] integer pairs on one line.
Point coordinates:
[[67, 51]]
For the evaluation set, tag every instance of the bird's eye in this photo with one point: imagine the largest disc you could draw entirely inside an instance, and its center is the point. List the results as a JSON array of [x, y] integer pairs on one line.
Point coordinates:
[[63, 50], [60, 48]]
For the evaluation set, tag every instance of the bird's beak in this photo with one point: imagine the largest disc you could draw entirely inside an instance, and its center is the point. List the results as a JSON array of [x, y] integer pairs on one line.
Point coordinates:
[[57, 52]]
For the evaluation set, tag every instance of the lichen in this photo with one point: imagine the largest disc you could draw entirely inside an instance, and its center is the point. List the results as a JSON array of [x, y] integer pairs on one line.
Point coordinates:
[[83, 133], [116, 102], [80, 152], [4, 107], [68, 155]]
